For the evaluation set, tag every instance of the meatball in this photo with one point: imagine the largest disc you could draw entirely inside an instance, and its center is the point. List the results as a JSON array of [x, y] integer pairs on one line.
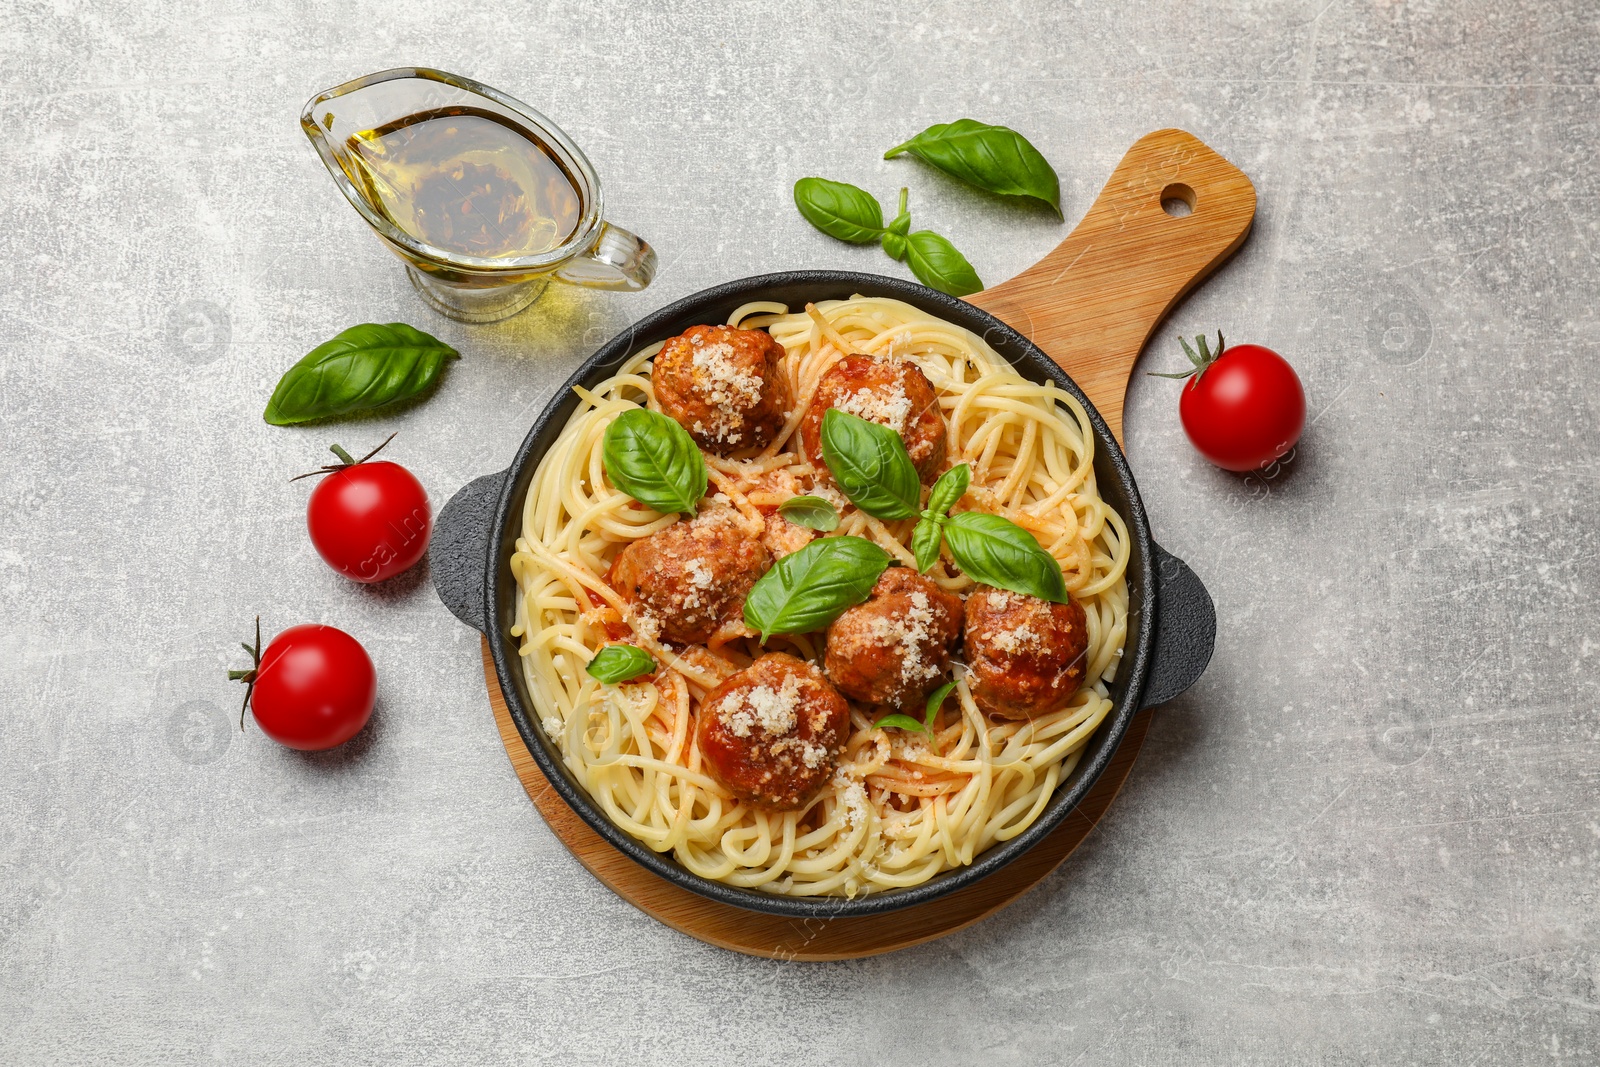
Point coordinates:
[[687, 580], [893, 648], [1026, 655], [772, 732], [724, 386], [891, 392]]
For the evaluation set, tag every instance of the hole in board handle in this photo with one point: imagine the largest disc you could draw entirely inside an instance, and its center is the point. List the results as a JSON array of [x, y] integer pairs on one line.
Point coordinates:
[[1177, 200]]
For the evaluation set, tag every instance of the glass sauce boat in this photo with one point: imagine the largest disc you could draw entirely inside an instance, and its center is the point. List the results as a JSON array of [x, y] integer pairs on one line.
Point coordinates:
[[484, 199]]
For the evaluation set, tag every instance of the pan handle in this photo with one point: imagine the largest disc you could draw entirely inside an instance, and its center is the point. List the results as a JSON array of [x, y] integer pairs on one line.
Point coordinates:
[[1186, 630], [458, 557]]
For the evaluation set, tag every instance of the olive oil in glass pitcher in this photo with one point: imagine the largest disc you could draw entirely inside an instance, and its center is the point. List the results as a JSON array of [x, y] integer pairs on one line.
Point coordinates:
[[482, 197]]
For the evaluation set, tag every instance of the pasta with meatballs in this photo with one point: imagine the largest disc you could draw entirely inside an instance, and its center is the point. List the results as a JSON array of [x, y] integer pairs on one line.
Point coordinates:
[[769, 765]]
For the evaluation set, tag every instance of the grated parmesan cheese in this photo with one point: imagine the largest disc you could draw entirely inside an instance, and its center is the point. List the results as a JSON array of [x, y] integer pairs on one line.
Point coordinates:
[[775, 711], [886, 408], [1027, 633], [832, 496], [853, 797], [912, 634], [917, 637], [1019, 639], [783, 537], [729, 389], [700, 579], [646, 625]]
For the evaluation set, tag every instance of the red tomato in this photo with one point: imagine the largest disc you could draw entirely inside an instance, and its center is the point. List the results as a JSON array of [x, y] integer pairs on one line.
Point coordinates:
[[1243, 408], [314, 689], [370, 521]]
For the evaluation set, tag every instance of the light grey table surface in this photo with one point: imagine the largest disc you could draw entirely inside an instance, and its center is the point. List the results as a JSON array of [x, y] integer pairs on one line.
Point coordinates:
[[1369, 834]]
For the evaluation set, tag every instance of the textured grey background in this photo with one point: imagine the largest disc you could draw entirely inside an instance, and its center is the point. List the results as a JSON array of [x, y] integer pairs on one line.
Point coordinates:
[[1369, 834]]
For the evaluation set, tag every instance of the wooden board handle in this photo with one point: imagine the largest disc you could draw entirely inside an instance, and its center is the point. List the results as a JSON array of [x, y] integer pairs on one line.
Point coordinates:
[[1093, 302]]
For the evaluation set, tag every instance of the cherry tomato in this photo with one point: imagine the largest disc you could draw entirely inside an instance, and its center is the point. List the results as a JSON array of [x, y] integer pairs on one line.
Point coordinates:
[[369, 521], [314, 688], [1242, 407]]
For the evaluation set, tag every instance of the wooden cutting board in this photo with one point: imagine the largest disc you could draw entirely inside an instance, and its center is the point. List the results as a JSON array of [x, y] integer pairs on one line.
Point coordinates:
[[1090, 305]]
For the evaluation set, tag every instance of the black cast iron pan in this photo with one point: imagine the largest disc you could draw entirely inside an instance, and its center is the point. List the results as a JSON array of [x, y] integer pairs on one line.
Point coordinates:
[[1171, 625]]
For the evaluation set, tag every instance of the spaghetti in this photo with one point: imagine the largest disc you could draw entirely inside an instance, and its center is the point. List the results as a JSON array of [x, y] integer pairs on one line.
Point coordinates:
[[901, 807]]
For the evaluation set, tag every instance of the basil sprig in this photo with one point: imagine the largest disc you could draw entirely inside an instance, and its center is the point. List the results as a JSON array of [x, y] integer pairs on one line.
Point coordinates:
[[929, 531], [619, 663], [990, 549], [839, 209], [871, 465], [996, 159], [906, 722], [365, 367], [812, 512], [852, 214], [806, 590], [993, 550], [933, 259], [654, 460]]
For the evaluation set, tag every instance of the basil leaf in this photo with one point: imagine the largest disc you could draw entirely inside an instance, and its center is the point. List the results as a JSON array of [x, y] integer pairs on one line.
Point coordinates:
[[618, 663], [871, 465], [936, 701], [996, 551], [937, 264], [839, 209], [812, 512], [902, 722], [806, 590], [655, 461], [364, 367], [894, 239], [925, 540], [994, 158], [928, 534], [950, 487]]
